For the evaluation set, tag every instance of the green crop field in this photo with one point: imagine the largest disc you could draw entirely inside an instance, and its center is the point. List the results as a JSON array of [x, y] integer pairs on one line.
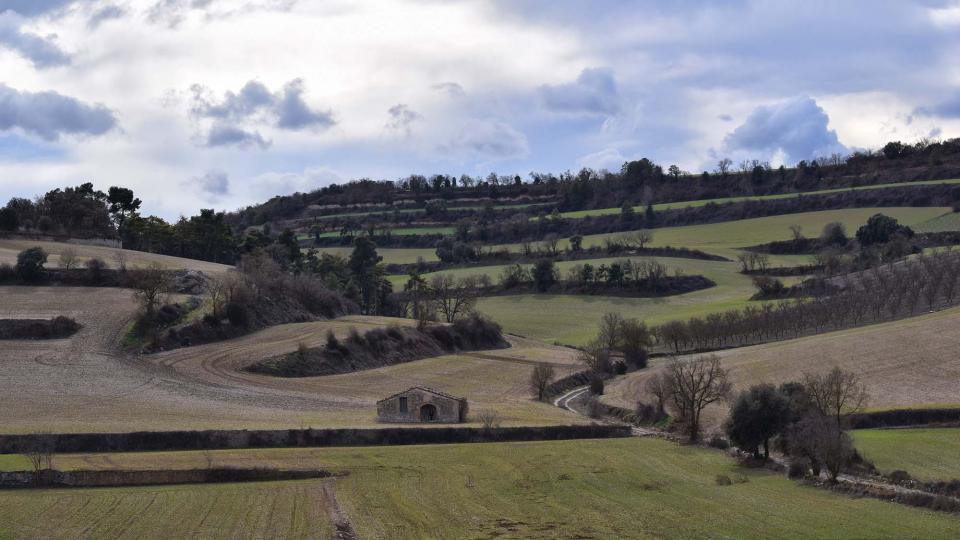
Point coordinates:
[[927, 454], [624, 488], [390, 255], [942, 223], [722, 200], [260, 510]]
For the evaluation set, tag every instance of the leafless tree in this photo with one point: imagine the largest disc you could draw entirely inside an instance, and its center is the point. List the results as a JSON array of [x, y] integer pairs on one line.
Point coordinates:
[[596, 357], [489, 418], [695, 384], [150, 287], [453, 298], [638, 239], [40, 454], [120, 257], [540, 379], [658, 386], [820, 439], [551, 243], [836, 393], [68, 258], [611, 331]]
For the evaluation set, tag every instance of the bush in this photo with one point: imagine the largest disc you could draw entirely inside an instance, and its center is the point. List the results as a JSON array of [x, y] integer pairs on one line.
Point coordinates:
[[7, 273], [724, 480], [596, 387], [211, 320], [718, 442], [237, 314], [30, 263], [620, 367], [899, 476], [797, 469], [95, 268]]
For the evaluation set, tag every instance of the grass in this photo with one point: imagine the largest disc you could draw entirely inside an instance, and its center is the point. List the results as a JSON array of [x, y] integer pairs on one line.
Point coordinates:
[[399, 231], [723, 200], [942, 223], [927, 454], [9, 248], [624, 488], [261, 510]]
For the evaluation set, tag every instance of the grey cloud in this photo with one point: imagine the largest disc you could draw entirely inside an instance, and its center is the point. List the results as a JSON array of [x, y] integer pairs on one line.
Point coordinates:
[[725, 117], [294, 113], [42, 52], [49, 115], [213, 185], [255, 103], [488, 139], [594, 92], [452, 89], [401, 117], [227, 135], [104, 14], [948, 108], [797, 127]]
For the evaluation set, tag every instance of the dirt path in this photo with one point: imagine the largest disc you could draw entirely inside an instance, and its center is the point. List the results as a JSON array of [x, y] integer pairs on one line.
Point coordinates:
[[342, 528]]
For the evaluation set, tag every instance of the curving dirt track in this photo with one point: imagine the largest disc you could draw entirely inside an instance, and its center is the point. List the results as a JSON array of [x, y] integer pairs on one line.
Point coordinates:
[[909, 362], [85, 384]]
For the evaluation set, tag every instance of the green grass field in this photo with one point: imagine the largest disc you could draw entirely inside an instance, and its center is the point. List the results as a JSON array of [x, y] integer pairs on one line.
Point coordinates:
[[949, 221], [723, 200], [927, 454], [624, 488]]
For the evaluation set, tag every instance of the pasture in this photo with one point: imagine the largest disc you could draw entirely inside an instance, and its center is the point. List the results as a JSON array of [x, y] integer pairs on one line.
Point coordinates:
[[623, 488], [927, 454], [949, 221], [908, 362]]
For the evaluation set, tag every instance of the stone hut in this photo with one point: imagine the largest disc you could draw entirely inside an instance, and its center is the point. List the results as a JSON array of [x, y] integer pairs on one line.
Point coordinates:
[[422, 405]]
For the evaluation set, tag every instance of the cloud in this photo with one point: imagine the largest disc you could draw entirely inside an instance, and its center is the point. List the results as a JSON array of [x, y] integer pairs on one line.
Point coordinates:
[[237, 114], [452, 89], [213, 185], [593, 93], [948, 108], [487, 139], [42, 52], [173, 12], [797, 128], [401, 117], [227, 135], [609, 158], [50, 115], [105, 14], [725, 117], [32, 8], [294, 113]]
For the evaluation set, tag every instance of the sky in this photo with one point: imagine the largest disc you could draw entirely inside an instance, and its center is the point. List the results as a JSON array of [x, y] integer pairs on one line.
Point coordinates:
[[225, 103]]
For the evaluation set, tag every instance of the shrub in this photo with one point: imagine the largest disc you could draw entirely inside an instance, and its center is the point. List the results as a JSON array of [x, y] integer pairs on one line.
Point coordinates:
[[95, 268], [797, 469], [596, 387], [724, 480], [30, 263], [333, 343], [7, 273], [620, 367], [899, 476], [718, 442], [237, 314], [211, 320]]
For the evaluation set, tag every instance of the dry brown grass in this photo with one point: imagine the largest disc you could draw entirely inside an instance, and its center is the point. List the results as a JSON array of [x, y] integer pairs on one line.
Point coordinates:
[[10, 248], [84, 384], [903, 363]]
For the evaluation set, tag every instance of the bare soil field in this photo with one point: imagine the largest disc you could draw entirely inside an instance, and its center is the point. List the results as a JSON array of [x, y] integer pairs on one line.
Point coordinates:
[[908, 362], [84, 384], [9, 248]]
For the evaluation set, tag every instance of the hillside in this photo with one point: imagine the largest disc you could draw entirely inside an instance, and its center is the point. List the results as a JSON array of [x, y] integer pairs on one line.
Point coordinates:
[[9, 248]]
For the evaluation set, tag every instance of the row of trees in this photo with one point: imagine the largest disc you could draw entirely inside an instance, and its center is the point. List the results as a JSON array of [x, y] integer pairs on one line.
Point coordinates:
[[885, 292]]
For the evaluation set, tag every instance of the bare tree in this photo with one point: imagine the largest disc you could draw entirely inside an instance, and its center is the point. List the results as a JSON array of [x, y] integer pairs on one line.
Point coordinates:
[[40, 454], [540, 379], [551, 244], [836, 393], [489, 418], [68, 258], [819, 439], [596, 357], [120, 257], [697, 383], [149, 288], [658, 386], [638, 239], [453, 298]]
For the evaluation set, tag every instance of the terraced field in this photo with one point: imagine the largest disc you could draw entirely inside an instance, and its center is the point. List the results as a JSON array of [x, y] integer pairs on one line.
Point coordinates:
[[83, 384], [723, 200], [624, 488], [903, 363], [927, 454], [10, 248], [945, 222]]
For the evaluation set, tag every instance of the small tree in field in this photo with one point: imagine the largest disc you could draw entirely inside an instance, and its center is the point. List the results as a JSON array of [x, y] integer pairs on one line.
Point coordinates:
[[757, 415], [836, 393], [149, 288], [68, 258], [540, 379], [30, 263], [695, 384]]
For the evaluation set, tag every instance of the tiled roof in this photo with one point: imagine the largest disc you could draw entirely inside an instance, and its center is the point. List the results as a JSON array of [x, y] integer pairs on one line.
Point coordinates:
[[425, 389]]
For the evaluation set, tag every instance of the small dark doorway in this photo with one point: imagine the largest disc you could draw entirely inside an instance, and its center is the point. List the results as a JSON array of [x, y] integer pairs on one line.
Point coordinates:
[[428, 413]]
